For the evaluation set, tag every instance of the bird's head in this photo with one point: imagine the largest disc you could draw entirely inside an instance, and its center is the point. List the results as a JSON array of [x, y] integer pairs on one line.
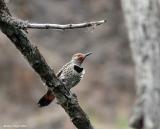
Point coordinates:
[[78, 58]]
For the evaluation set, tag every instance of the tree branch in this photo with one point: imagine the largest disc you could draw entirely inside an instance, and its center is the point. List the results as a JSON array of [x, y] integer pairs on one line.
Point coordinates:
[[65, 98], [21, 24], [65, 26]]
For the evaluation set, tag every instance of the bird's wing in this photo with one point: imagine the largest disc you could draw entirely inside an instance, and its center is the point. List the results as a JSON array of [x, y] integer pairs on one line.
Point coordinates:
[[60, 71]]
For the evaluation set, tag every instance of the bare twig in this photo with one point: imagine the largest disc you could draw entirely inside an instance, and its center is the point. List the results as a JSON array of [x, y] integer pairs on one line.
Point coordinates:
[[21, 24], [69, 102], [65, 26]]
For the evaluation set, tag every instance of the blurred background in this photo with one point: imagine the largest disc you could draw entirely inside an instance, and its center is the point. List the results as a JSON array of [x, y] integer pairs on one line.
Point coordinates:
[[107, 91]]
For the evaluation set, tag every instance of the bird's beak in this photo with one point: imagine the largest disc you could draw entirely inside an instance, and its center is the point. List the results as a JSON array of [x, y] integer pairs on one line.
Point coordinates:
[[87, 54]]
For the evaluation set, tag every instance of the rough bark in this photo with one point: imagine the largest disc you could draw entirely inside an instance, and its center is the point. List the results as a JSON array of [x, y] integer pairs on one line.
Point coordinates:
[[65, 98], [143, 23]]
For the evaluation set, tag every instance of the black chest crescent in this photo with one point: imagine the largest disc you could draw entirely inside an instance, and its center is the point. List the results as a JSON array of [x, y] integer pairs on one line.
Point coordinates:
[[78, 69]]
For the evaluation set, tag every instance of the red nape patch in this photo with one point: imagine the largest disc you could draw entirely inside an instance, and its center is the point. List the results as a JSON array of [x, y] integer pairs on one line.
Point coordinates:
[[80, 58]]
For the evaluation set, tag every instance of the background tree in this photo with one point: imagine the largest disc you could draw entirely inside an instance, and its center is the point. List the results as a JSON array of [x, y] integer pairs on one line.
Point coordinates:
[[143, 22]]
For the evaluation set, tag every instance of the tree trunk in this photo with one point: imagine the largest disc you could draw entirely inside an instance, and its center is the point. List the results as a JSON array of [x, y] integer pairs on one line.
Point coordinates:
[[143, 23]]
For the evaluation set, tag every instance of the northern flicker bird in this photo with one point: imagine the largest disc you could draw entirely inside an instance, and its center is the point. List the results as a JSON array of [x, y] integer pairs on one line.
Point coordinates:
[[70, 74]]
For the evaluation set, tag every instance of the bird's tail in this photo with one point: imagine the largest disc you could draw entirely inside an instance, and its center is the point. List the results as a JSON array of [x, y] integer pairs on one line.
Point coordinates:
[[46, 99]]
